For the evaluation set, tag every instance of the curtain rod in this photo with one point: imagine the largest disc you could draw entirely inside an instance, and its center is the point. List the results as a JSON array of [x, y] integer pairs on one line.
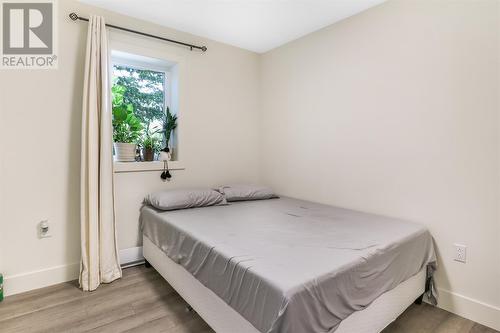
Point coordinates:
[[75, 17]]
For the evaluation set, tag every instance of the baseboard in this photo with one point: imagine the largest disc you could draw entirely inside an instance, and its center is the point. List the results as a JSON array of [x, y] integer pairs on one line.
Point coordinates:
[[130, 256], [469, 308], [20, 283]]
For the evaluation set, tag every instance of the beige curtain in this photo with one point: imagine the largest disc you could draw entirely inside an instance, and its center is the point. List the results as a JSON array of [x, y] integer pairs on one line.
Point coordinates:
[[100, 263]]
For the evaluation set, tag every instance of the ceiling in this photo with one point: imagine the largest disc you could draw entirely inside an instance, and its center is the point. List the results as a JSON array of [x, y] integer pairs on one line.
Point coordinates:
[[255, 25]]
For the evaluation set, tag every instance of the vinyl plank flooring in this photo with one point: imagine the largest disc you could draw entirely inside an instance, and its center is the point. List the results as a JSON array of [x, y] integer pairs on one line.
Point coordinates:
[[482, 329], [143, 302], [41, 299]]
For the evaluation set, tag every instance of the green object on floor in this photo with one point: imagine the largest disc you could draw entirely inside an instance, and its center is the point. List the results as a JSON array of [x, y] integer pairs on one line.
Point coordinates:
[[1, 287]]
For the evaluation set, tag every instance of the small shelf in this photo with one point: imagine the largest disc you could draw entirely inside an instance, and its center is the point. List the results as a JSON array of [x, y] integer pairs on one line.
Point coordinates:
[[146, 166]]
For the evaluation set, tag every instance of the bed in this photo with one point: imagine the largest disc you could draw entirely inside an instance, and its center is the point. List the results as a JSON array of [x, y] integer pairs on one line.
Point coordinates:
[[287, 265]]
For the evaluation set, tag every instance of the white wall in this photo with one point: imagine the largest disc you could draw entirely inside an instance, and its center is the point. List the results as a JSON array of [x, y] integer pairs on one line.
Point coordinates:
[[396, 111], [40, 154]]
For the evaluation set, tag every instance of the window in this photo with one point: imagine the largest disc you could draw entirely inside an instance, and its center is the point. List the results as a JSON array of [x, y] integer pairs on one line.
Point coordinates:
[[142, 111], [145, 91]]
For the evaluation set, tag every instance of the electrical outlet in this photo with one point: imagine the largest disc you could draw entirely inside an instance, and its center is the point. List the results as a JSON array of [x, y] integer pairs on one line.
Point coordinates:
[[460, 253], [44, 229]]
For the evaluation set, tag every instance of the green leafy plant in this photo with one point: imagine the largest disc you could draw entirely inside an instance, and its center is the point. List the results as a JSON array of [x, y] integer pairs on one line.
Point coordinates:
[[151, 143], [151, 140], [169, 125], [127, 127]]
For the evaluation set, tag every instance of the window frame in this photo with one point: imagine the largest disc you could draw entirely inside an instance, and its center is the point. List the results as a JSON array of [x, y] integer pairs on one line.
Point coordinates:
[[175, 69]]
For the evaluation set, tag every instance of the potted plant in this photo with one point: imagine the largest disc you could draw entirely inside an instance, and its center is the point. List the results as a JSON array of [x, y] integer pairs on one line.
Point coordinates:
[[126, 127], [169, 125], [150, 145]]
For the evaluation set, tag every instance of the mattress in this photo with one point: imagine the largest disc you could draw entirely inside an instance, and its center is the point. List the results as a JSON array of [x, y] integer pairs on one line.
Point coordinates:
[[288, 265]]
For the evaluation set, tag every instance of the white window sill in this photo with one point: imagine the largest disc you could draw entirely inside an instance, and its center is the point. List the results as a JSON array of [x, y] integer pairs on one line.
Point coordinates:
[[146, 166]]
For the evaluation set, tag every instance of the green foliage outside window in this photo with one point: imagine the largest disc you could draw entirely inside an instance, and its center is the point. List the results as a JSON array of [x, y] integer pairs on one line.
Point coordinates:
[[144, 90]]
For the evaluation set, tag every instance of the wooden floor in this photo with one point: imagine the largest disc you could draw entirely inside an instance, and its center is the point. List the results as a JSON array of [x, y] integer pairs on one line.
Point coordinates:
[[143, 302]]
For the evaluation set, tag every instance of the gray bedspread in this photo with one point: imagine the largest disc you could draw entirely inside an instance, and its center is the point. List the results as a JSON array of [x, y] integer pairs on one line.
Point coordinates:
[[288, 265]]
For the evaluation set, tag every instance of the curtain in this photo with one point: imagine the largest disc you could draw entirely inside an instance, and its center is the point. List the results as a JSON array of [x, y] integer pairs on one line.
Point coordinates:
[[99, 263]]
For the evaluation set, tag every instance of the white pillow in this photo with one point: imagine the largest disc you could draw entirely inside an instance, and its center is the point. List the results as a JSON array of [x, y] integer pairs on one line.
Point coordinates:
[[184, 198], [247, 192]]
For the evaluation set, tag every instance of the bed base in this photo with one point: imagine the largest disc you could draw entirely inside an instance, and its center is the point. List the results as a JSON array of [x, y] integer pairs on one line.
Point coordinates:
[[224, 319]]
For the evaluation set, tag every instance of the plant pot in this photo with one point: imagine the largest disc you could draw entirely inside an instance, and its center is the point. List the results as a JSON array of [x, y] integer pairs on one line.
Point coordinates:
[[124, 152], [148, 154]]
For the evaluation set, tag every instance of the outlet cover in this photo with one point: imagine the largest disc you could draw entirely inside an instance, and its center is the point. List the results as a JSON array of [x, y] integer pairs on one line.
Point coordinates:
[[44, 229], [460, 253]]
